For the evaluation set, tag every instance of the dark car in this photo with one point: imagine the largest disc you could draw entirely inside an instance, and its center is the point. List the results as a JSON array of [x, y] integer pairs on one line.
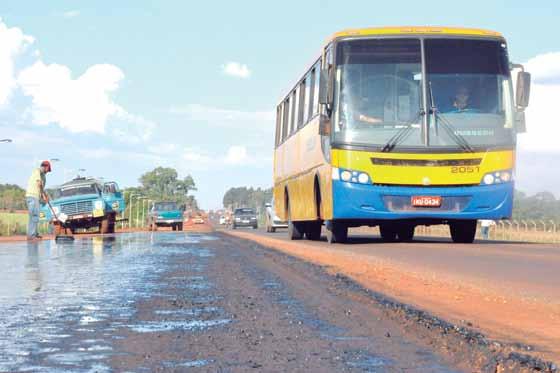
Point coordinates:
[[245, 217]]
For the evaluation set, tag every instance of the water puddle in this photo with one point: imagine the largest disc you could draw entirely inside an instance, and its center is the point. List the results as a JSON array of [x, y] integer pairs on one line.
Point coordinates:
[[61, 304], [163, 326]]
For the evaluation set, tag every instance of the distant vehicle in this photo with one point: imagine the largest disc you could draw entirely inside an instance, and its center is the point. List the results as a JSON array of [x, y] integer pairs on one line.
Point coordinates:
[[198, 220], [166, 214], [272, 220], [222, 220], [399, 127], [86, 203], [245, 217]]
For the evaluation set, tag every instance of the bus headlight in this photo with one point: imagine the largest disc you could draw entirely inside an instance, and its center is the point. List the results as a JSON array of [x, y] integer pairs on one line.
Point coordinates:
[[350, 176], [497, 177]]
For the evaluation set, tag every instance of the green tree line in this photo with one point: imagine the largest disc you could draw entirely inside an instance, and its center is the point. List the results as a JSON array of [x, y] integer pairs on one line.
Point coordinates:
[[247, 197]]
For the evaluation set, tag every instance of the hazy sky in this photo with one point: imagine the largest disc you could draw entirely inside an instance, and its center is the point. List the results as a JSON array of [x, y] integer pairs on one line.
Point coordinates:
[[119, 88]]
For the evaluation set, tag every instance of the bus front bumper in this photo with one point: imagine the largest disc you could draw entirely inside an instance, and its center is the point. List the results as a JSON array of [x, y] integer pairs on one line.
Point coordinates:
[[376, 202]]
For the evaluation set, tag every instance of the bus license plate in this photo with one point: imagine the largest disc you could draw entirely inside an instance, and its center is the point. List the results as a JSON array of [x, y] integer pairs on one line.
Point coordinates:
[[426, 201]]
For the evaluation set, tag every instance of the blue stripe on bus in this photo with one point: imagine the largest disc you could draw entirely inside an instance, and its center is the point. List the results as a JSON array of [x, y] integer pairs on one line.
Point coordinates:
[[358, 201]]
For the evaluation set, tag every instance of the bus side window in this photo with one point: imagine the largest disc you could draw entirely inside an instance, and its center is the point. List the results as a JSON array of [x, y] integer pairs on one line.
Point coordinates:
[[316, 88], [307, 98], [278, 125], [312, 94], [293, 111], [286, 119], [301, 105]]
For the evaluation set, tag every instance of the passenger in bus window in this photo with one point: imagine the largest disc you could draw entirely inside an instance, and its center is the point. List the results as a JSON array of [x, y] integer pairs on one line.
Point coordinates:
[[462, 101]]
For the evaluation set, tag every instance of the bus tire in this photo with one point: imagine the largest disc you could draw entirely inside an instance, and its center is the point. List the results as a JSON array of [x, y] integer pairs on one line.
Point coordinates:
[[388, 232], [295, 230], [313, 230], [337, 232], [463, 231], [405, 232]]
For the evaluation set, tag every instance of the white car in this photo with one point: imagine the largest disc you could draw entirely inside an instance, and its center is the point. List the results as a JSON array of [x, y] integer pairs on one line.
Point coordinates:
[[272, 220]]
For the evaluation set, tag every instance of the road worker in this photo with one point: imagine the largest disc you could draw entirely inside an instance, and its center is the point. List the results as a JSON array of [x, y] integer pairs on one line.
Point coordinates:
[[34, 195]]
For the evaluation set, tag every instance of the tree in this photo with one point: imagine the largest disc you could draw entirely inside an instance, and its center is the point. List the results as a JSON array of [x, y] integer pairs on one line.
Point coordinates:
[[246, 197], [162, 183]]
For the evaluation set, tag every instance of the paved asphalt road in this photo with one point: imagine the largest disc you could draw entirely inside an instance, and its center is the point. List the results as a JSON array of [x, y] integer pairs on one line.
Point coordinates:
[[528, 269], [179, 302]]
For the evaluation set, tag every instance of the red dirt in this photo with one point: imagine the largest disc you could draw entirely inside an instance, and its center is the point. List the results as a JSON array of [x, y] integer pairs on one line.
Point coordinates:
[[499, 315]]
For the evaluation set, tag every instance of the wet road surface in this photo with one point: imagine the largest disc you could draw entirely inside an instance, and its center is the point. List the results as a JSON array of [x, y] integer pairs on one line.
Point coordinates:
[[187, 302]]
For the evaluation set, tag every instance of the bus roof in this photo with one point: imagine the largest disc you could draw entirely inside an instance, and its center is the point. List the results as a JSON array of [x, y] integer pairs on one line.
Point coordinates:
[[415, 30]]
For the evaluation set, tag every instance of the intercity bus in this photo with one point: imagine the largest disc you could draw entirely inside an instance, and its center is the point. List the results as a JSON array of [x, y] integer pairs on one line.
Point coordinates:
[[398, 127]]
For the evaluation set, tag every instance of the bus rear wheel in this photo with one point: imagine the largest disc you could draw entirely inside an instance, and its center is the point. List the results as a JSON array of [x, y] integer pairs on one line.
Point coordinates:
[[463, 231], [313, 230], [295, 230], [337, 232]]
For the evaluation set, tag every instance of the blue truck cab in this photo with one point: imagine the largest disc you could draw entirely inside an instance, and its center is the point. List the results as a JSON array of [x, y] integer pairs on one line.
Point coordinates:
[[166, 214], [85, 203]]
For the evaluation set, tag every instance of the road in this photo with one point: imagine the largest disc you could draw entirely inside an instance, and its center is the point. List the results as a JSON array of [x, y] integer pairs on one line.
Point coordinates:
[[172, 301], [509, 291]]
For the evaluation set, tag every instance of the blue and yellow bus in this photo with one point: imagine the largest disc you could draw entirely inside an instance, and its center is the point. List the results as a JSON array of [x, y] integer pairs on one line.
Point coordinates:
[[398, 127]]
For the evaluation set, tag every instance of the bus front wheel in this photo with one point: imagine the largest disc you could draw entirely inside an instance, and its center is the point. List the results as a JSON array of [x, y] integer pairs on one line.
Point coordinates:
[[463, 231], [405, 232], [388, 232], [337, 232]]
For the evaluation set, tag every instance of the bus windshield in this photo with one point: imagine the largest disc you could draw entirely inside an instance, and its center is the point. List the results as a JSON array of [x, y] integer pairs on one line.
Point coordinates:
[[469, 83], [379, 94]]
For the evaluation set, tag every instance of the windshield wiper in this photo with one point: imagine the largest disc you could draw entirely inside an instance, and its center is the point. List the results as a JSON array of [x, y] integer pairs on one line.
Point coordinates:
[[454, 134], [401, 135], [447, 126]]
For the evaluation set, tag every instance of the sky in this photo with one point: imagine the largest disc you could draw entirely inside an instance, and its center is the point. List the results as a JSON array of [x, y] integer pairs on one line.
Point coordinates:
[[119, 88]]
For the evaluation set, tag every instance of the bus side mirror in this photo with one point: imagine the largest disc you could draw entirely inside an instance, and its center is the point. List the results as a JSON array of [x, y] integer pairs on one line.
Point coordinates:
[[523, 89], [324, 125], [520, 125]]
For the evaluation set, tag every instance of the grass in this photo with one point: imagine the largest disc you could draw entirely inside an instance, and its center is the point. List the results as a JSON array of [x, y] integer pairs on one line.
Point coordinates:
[[15, 223]]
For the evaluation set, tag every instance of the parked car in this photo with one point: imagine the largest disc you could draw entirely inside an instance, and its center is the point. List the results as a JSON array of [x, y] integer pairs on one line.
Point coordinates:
[[272, 220], [85, 203], [166, 214], [245, 217]]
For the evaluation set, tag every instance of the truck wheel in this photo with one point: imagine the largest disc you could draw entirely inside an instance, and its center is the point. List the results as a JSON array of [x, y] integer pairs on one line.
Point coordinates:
[[174, 227], [58, 230], [180, 227], [104, 226], [463, 231], [112, 220]]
